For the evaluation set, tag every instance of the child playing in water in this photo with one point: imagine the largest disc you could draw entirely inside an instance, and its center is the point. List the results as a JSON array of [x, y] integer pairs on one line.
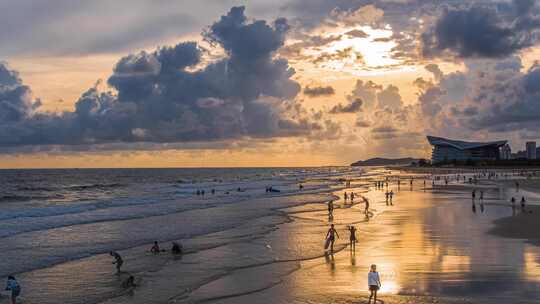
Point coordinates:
[[331, 236], [374, 283]]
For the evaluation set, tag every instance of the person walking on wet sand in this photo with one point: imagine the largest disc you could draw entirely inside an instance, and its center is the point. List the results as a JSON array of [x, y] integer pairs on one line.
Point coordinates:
[[474, 195], [352, 197], [374, 283], [331, 237], [352, 238], [523, 203], [330, 208], [117, 260], [13, 286], [387, 195], [391, 197], [345, 196], [366, 209]]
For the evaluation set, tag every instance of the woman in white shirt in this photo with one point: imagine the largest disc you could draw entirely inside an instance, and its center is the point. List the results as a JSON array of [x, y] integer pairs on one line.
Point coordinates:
[[374, 283]]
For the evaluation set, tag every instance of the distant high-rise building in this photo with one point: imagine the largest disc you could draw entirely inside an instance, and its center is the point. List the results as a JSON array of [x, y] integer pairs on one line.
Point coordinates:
[[531, 149], [506, 152]]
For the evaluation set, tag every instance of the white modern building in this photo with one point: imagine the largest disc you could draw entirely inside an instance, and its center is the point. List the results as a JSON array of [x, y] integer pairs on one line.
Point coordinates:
[[531, 149], [448, 150]]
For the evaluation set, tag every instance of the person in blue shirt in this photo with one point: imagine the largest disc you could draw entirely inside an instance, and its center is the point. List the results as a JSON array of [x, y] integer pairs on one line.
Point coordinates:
[[13, 286]]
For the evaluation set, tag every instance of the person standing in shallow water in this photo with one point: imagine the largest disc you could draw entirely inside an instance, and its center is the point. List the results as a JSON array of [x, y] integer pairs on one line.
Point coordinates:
[[331, 236], [117, 260], [374, 283], [352, 238], [13, 286]]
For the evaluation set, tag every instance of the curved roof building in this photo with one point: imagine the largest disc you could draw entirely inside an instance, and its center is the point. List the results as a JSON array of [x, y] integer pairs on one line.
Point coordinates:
[[446, 150]]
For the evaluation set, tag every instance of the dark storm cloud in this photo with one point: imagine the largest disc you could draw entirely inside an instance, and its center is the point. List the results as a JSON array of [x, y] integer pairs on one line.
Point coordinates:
[[353, 107], [513, 104], [481, 31], [15, 98], [317, 91], [247, 94]]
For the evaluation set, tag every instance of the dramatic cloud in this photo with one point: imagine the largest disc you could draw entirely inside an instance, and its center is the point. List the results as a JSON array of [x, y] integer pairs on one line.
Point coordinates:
[[512, 104], [319, 91], [353, 107], [158, 99], [482, 31], [16, 102]]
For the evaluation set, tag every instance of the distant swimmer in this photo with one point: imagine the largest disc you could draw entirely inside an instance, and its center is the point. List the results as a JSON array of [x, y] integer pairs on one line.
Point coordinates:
[[300, 186], [155, 248], [13, 286], [176, 248], [352, 238], [117, 260], [213, 191], [374, 283], [331, 238]]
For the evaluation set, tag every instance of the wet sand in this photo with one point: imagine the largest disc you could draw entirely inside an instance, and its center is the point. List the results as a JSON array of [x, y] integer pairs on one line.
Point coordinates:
[[524, 225]]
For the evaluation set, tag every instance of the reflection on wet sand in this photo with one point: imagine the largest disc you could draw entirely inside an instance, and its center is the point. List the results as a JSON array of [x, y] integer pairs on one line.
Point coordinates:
[[428, 243]]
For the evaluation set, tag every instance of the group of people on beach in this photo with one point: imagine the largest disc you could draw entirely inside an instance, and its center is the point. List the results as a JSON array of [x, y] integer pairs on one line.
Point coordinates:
[[374, 282]]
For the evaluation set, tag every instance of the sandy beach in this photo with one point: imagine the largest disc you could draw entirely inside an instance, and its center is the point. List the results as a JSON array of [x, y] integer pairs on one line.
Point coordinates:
[[428, 244]]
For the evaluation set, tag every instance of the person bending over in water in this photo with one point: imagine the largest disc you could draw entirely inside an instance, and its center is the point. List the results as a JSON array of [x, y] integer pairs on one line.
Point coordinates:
[[155, 248], [374, 283], [13, 286], [331, 236], [176, 248], [352, 238], [129, 282], [117, 260]]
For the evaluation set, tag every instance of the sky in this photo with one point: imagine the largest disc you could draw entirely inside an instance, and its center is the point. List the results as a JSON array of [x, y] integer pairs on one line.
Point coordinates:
[[223, 83]]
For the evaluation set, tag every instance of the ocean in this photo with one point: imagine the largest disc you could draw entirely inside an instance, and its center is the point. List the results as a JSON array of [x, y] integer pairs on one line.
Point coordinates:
[[51, 220]]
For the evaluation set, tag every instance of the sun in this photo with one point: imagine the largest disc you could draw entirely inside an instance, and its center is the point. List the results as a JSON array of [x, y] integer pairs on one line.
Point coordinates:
[[360, 50]]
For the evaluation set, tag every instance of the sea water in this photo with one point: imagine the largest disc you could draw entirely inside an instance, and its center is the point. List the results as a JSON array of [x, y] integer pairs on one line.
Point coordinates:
[[57, 226]]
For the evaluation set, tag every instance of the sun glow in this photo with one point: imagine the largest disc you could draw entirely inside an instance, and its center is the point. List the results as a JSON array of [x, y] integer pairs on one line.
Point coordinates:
[[360, 50]]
